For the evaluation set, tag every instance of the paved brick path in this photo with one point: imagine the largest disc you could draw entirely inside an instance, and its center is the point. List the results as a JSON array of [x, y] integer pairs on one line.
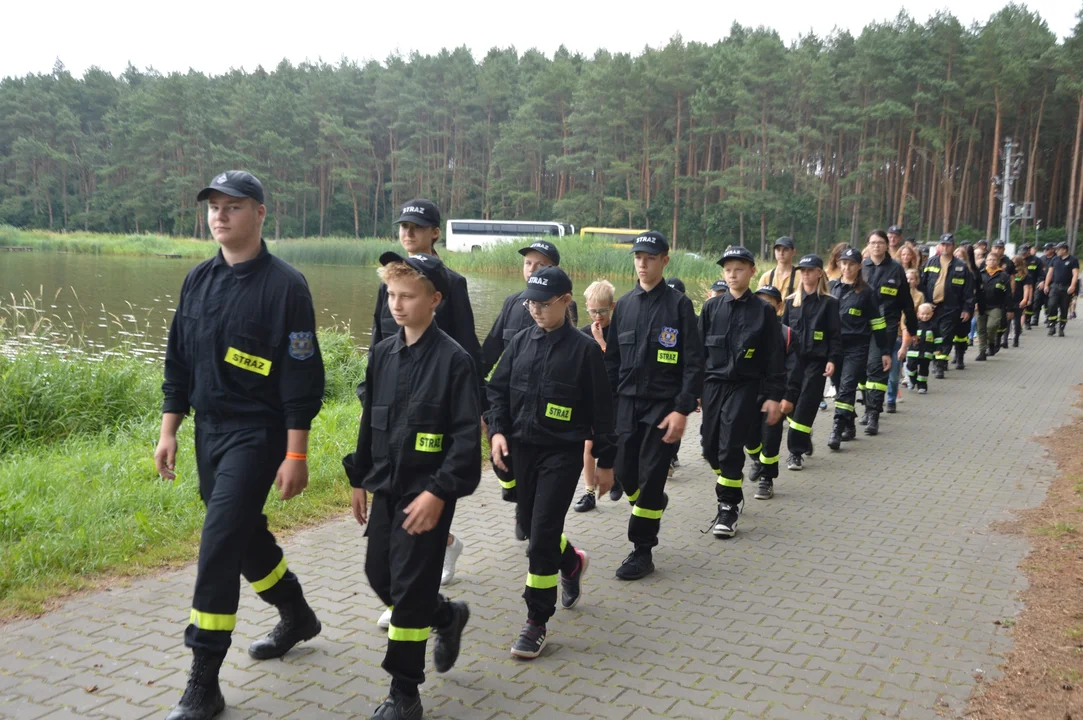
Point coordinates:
[[867, 588]]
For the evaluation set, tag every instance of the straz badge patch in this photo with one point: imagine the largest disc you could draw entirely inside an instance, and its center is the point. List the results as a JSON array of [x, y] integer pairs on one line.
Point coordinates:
[[302, 345], [251, 363], [668, 337]]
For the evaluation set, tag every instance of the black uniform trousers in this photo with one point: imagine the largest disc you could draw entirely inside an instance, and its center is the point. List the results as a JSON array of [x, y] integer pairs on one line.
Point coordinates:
[[641, 467], [1056, 310], [547, 479], [875, 375], [763, 443], [730, 414], [404, 571], [1037, 304], [917, 364], [850, 372], [236, 471], [951, 330], [799, 438]]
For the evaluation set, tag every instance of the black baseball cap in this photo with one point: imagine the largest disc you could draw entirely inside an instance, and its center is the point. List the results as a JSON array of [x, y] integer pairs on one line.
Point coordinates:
[[547, 249], [652, 242], [736, 252], [547, 282], [852, 254], [948, 239], [1062, 245], [811, 261], [1047, 246], [720, 286], [677, 284], [235, 183], [785, 241], [895, 230], [420, 212], [770, 291], [430, 266], [983, 241], [998, 243], [1025, 246]]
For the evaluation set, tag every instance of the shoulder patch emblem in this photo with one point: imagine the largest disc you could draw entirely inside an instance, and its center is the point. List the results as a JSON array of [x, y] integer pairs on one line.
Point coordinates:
[[668, 337], [302, 345]]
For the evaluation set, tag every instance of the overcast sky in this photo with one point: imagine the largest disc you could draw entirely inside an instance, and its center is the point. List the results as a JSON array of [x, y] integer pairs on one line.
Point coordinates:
[[216, 37]]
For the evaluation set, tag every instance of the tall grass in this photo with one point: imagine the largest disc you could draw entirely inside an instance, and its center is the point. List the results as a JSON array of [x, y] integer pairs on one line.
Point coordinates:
[[103, 244]]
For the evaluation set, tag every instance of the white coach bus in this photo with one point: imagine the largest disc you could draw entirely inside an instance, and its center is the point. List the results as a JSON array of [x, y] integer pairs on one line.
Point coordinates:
[[471, 235]]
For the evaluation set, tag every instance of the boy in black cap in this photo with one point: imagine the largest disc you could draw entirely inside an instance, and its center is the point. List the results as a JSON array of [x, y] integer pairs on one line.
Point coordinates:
[[418, 451], [243, 351], [718, 287], [655, 365], [783, 276], [513, 317], [765, 440], [548, 395], [744, 361], [1061, 279]]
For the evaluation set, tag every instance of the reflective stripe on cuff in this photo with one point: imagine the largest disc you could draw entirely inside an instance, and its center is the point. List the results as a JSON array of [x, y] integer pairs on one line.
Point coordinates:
[[272, 578], [542, 582], [843, 406], [633, 497], [764, 460], [507, 484], [799, 427], [401, 634], [563, 543], [645, 513], [727, 482], [213, 621], [877, 386], [754, 451]]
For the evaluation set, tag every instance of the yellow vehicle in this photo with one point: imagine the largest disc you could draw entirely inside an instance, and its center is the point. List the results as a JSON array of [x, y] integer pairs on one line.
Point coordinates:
[[617, 237]]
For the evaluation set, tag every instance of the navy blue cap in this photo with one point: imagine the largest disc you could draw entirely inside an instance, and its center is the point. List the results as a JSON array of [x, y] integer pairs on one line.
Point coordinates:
[[736, 252], [720, 286], [950, 239], [998, 243], [430, 266], [547, 249], [677, 284], [652, 242], [785, 241], [770, 291], [895, 230], [811, 261], [420, 212], [235, 183], [546, 283], [852, 254]]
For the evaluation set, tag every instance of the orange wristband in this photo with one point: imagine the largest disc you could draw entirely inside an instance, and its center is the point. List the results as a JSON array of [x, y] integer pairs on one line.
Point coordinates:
[[296, 456]]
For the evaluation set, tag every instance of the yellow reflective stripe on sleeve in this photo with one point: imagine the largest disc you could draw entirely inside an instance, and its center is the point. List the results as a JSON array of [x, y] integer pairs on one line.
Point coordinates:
[[878, 323], [764, 460], [877, 386], [755, 450], [844, 406], [799, 427], [563, 543], [213, 621], [401, 634], [272, 577], [730, 482], [645, 513], [542, 582], [251, 363], [507, 484], [633, 497]]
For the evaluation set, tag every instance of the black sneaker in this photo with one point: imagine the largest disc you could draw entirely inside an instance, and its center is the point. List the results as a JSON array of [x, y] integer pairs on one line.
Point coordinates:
[[445, 648], [586, 503], [636, 566], [793, 462], [725, 522], [570, 590], [399, 707], [530, 643], [765, 490], [616, 493], [756, 471], [890, 407]]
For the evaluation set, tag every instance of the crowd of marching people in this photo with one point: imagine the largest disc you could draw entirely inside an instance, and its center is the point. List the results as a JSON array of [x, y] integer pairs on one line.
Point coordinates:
[[607, 401]]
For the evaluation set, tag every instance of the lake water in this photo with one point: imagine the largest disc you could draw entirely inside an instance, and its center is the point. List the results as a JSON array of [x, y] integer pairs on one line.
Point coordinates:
[[105, 299]]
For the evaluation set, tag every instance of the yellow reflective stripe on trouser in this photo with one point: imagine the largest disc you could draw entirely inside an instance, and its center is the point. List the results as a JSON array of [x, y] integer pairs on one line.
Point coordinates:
[[542, 582], [764, 460], [730, 482], [645, 513], [799, 427], [563, 543], [754, 451], [843, 406], [272, 577], [633, 497], [861, 386], [876, 386], [507, 484], [394, 632], [213, 621]]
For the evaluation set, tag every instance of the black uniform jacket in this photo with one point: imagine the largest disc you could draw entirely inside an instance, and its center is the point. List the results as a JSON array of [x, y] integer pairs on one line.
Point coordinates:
[[551, 389], [513, 317], [888, 282], [242, 347], [958, 288], [859, 315], [997, 289], [816, 323], [743, 342], [421, 429], [795, 364], [1035, 269], [654, 355]]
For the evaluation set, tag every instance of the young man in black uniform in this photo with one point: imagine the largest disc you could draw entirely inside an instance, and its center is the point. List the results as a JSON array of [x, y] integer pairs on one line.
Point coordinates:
[[1034, 276], [514, 317], [548, 395], [243, 352], [654, 360], [996, 305], [1061, 279], [949, 286], [418, 452], [1041, 290], [887, 279], [744, 359]]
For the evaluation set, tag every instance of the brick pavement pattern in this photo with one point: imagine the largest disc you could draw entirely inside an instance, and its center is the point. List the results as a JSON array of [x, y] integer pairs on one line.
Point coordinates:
[[868, 587]]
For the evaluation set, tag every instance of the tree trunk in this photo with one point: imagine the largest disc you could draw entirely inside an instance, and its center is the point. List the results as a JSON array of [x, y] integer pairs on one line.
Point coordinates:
[[1072, 223], [676, 174], [900, 218], [994, 167]]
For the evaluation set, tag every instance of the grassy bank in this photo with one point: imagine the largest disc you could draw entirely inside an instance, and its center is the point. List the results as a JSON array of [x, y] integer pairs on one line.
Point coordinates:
[[79, 497]]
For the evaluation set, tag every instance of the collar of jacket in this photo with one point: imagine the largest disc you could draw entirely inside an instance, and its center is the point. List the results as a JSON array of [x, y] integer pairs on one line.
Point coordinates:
[[868, 262], [556, 335], [422, 343], [728, 297], [246, 268], [661, 287]]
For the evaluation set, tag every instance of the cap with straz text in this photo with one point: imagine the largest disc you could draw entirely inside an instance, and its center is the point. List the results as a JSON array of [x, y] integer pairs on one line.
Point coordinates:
[[420, 212], [430, 266], [546, 283]]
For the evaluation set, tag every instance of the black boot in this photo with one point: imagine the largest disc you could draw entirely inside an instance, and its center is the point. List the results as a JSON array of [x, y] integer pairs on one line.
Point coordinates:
[[959, 364], [297, 624], [1052, 330], [1015, 341], [873, 426], [202, 699], [981, 356], [834, 440], [939, 368], [1061, 331], [864, 417], [849, 429]]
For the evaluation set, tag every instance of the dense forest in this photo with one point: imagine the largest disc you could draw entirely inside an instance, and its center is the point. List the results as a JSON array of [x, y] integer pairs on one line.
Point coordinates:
[[737, 141]]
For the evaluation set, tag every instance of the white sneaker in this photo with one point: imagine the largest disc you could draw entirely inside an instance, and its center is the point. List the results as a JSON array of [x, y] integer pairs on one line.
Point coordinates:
[[385, 620], [451, 556]]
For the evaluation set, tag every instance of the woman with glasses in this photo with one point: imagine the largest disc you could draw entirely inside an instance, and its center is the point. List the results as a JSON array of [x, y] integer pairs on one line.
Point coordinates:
[[599, 296]]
